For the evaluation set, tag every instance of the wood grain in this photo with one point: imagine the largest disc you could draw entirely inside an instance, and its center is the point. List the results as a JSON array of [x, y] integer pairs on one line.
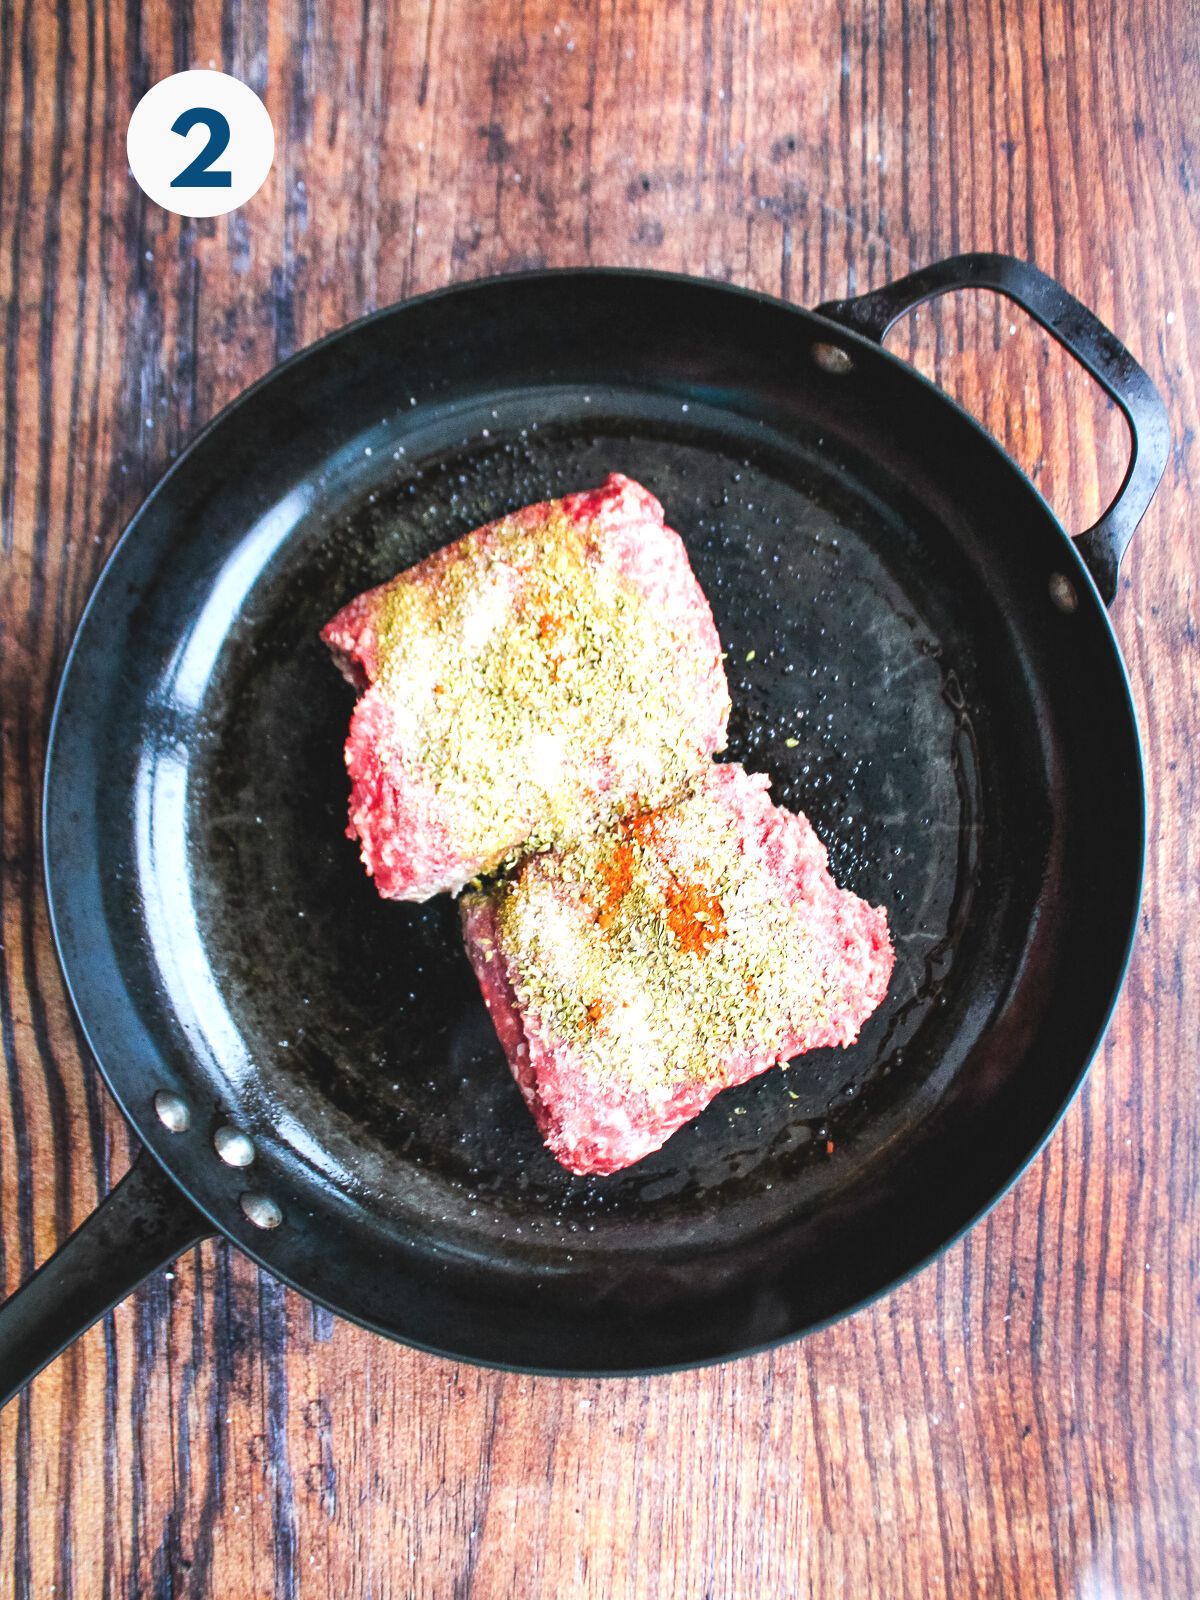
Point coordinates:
[[1022, 1418]]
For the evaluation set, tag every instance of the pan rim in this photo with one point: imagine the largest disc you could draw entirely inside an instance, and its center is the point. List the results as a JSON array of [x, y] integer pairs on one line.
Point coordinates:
[[1080, 575]]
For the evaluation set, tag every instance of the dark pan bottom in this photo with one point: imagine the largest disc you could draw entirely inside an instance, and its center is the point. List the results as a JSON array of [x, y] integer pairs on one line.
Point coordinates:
[[362, 1018]]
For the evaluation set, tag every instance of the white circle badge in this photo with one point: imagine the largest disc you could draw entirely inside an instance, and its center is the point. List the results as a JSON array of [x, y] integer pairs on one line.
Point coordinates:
[[200, 143]]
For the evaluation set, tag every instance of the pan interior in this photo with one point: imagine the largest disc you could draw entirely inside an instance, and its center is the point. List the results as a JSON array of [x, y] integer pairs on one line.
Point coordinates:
[[349, 1030]]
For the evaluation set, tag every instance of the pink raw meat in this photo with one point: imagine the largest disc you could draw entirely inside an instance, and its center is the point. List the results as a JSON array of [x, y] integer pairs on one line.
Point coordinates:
[[521, 683], [636, 974]]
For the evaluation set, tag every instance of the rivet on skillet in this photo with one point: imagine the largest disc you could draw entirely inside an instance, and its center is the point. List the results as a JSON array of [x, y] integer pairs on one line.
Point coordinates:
[[1062, 592], [832, 358], [233, 1146], [261, 1210], [172, 1111]]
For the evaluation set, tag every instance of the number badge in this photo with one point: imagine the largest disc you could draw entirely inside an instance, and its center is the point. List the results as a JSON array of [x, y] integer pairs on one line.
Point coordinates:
[[200, 143]]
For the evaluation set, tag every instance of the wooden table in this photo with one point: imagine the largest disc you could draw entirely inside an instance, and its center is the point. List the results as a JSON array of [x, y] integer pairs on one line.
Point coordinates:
[[1022, 1418]]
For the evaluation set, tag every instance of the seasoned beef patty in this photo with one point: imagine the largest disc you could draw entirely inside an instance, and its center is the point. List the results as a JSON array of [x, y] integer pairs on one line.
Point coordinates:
[[635, 974], [521, 683]]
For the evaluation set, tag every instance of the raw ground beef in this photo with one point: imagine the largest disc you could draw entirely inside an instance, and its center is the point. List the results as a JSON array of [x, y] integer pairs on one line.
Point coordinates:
[[636, 974], [520, 684]]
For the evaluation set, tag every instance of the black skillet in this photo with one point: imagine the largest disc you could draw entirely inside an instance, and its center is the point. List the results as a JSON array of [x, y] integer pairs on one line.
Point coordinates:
[[311, 1070]]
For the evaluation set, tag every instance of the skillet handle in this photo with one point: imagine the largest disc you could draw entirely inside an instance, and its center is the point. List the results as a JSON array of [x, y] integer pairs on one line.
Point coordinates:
[[1081, 334], [141, 1225]]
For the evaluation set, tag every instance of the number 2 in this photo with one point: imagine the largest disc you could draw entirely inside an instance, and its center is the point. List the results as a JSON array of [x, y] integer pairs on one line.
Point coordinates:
[[196, 175]]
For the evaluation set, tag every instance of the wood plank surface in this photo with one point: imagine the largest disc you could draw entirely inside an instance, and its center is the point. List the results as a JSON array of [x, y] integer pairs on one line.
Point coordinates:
[[1022, 1419]]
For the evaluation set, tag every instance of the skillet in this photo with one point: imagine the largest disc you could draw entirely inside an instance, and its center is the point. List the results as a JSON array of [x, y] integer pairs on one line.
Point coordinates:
[[311, 1070]]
